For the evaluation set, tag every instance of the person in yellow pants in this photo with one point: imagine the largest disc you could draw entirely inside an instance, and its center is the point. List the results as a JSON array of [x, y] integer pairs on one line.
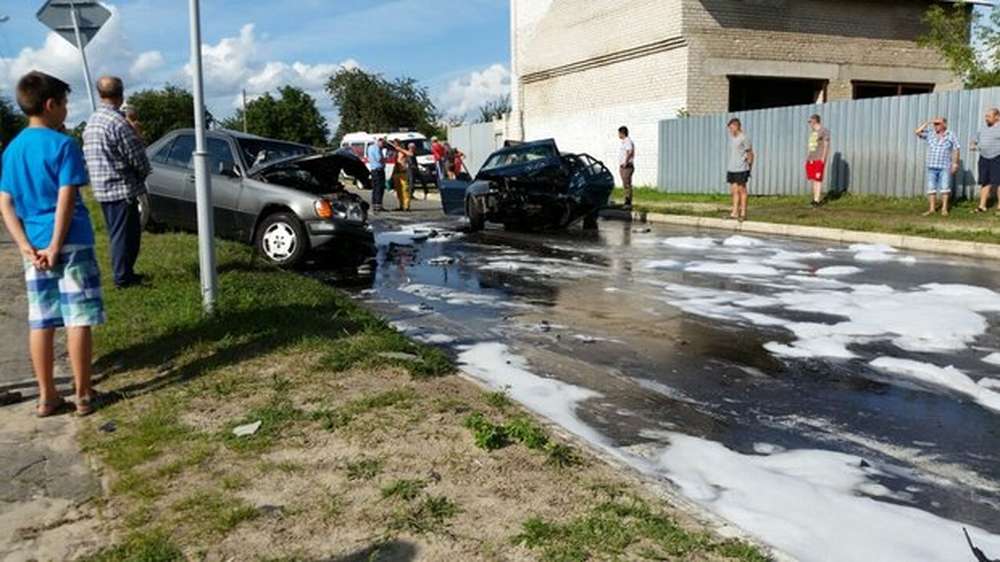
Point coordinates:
[[400, 182]]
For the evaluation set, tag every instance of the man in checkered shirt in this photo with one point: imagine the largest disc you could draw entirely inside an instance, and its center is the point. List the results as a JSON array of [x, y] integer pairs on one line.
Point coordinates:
[[116, 160], [942, 161]]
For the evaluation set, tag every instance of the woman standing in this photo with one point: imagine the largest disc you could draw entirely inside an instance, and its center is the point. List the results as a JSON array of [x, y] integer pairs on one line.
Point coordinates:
[[400, 175]]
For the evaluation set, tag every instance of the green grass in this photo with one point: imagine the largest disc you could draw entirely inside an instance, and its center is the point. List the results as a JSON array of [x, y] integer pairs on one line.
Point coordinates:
[[623, 527], [139, 547], [364, 469], [405, 490], [431, 514], [866, 213], [214, 513]]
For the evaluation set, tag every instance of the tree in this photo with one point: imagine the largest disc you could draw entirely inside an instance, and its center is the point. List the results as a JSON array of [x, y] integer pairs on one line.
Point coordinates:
[[493, 110], [11, 122], [291, 117], [951, 31], [369, 102], [162, 111], [77, 132]]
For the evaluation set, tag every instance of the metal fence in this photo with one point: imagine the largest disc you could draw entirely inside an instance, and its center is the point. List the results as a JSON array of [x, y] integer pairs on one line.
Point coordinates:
[[873, 148], [477, 141]]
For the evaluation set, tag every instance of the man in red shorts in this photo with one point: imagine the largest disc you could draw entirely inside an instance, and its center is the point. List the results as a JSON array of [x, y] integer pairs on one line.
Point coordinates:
[[818, 151]]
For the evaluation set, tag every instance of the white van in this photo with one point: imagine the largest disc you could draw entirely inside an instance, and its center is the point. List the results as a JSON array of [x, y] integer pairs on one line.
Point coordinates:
[[360, 141]]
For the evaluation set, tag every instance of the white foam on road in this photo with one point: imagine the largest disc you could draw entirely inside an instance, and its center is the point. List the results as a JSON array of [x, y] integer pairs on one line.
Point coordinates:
[[738, 241], [416, 234], [879, 253], [495, 365], [992, 359], [945, 377], [690, 243], [815, 505], [458, 298], [748, 268], [838, 271], [435, 339], [812, 504], [660, 264]]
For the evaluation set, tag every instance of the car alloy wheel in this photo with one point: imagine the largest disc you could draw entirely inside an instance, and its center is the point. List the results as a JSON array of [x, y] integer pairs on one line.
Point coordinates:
[[279, 242]]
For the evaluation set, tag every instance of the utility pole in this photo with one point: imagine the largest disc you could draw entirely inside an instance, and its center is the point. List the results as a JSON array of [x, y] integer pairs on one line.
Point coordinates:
[[83, 55], [245, 110], [202, 179]]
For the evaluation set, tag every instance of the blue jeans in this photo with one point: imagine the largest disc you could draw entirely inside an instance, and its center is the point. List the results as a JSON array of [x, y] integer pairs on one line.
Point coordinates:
[[938, 181], [125, 232]]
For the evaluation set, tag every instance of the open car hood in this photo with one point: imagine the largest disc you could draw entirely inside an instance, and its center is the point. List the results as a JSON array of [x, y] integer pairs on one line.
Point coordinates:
[[324, 165]]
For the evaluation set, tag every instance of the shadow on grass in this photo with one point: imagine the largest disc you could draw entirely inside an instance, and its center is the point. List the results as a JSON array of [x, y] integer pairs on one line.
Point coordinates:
[[235, 337], [391, 551]]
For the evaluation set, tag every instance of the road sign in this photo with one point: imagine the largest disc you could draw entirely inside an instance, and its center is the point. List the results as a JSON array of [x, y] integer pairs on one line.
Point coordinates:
[[76, 21], [57, 15]]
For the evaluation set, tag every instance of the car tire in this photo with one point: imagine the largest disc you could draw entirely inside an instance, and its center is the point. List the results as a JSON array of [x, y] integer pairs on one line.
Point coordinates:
[[477, 220], [282, 240]]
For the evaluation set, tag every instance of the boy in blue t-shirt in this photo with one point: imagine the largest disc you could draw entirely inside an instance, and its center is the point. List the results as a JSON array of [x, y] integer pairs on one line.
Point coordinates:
[[43, 170]]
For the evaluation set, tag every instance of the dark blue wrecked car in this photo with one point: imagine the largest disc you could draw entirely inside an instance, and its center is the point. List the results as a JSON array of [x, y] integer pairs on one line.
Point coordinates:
[[531, 186]]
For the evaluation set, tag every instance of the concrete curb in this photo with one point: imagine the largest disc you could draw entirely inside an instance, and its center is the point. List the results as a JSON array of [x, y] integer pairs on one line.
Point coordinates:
[[899, 241]]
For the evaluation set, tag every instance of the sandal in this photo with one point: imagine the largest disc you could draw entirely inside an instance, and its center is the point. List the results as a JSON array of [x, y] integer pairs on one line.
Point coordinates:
[[85, 404], [48, 408], [979, 210]]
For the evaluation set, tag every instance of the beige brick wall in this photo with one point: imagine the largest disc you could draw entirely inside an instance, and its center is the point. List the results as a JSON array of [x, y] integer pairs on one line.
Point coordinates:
[[839, 41], [583, 111]]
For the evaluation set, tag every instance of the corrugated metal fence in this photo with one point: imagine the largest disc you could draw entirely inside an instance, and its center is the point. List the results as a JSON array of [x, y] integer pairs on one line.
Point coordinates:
[[477, 141], [873, 149]]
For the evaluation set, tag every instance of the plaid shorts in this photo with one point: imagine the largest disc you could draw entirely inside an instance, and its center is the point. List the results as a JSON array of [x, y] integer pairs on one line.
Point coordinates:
[[67, 295]]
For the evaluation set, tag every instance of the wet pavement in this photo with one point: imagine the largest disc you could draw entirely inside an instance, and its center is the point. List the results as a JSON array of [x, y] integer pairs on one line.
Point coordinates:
[[853, 388]]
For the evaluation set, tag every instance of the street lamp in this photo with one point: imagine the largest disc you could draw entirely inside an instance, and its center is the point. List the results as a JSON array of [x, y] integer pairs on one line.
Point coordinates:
[[202, 180]]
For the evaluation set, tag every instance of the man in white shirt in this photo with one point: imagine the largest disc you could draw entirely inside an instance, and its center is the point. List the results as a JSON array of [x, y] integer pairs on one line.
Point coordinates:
[[626, 163]]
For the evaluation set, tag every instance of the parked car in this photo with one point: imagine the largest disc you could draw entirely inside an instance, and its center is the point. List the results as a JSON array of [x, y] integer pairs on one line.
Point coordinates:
[[427, 176], [284, 198], [531, 185]]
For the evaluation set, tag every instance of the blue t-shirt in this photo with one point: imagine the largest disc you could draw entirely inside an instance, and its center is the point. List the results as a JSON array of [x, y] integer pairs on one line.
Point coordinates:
[[375, 160], [36, 164]]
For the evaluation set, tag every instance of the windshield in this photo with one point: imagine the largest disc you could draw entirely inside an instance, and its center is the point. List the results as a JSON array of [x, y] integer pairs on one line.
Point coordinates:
[[518, 156], [262, 151]]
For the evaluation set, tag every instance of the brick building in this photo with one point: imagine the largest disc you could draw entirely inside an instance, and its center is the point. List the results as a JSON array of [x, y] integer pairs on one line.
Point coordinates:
[[581, 68]]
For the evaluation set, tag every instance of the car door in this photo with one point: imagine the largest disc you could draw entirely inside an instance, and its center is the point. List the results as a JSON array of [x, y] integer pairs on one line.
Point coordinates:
[[226, 189], [170, 184]]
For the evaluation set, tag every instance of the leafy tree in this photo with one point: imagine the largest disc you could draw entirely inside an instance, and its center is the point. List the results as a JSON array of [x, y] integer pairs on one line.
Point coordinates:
[[11, 122], [162, 111], [369, 102], [77, 132], [951, 31], [291, 117], [493, 110]]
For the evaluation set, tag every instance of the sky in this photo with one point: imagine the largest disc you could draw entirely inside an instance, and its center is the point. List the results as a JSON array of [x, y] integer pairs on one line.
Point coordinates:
[[458, 49]]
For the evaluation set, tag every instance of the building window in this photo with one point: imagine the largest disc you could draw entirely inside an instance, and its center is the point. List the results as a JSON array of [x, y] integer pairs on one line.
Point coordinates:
[[866, 90], [762, 92]]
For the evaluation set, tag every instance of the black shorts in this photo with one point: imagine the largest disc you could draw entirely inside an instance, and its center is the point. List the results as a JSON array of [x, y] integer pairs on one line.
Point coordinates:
[[989, 171], [740, 178]]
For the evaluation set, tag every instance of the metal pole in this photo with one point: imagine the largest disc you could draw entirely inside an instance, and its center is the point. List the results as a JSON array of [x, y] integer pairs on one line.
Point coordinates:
[[83, 55], [245, 110], [202, 180]]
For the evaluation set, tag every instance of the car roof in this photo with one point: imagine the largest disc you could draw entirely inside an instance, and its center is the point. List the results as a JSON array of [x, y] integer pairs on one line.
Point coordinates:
[[236, 135]]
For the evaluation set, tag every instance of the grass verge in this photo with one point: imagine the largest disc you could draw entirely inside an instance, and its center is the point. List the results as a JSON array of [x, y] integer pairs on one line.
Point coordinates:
[[359, 454], [850, 212]]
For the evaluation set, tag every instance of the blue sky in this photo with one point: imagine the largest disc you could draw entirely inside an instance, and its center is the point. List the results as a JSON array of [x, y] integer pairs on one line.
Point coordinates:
[[458, 49]]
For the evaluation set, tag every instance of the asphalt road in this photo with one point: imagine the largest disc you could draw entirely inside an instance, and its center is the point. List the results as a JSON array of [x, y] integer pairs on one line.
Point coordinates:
[[854, 388]]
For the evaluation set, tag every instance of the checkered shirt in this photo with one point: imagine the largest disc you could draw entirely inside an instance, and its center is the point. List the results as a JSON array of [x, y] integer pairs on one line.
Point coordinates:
[[940, 148], [116, 156]]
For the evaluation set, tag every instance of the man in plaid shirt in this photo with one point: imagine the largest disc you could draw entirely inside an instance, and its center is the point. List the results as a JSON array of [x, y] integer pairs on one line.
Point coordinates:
[[942, 161], [116, 160]]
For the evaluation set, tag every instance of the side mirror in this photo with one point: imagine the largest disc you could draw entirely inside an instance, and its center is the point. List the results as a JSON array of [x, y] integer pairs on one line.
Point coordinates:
[[228, 169]]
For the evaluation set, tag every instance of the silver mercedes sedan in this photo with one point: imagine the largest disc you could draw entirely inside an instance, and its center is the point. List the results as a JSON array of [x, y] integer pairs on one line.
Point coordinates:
[[284, 198]]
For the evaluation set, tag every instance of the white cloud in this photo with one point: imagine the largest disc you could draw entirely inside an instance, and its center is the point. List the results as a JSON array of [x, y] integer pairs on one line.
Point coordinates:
[[464, 95], [109, 53], [145, 63]]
